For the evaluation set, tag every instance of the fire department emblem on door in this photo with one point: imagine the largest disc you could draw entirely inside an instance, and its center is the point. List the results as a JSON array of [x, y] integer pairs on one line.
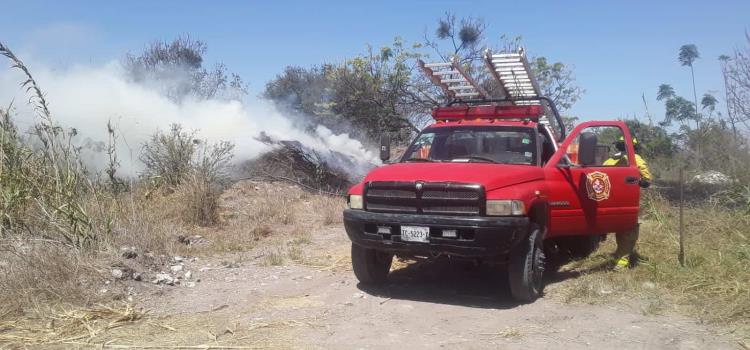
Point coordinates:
[[598, 186]]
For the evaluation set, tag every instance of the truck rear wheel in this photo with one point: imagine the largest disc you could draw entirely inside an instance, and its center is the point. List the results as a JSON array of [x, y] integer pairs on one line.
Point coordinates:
[[526, 267], [370, 266]]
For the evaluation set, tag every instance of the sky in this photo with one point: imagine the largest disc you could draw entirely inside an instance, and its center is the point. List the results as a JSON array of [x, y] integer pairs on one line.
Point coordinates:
[[619, 50]]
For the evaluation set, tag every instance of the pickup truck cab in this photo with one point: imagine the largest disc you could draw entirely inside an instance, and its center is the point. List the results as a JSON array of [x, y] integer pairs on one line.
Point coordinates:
[[495, 183]]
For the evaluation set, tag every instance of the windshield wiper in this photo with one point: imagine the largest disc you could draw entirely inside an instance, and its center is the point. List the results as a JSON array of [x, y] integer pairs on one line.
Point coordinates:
[[419, 160], [484, 159]]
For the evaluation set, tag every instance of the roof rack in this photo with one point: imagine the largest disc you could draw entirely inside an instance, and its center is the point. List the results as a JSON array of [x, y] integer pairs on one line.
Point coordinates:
[[453, 79], [513, 73]]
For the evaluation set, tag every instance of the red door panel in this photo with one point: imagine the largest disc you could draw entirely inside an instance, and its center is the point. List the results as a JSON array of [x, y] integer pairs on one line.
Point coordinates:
[[592, 200]]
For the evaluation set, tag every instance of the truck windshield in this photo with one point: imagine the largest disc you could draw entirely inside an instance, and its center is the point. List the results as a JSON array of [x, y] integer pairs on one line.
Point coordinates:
[[489, 144]]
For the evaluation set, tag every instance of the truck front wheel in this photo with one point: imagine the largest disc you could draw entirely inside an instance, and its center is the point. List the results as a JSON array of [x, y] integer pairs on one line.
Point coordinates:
[[526, 266], [370, 266]]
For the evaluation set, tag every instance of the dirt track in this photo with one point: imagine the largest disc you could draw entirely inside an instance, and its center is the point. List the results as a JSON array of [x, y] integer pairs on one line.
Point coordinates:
[[426, 306]]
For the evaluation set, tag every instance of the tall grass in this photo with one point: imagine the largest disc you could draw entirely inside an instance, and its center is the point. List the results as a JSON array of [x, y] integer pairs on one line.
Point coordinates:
[[714, 284], [44, 173]]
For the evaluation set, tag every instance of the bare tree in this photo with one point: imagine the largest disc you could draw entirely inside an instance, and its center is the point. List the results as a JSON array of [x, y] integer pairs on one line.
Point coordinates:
[[737, 73]]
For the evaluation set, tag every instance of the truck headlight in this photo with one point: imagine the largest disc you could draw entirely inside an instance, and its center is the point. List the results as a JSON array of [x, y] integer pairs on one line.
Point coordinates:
[[355, 202], [505, 207]]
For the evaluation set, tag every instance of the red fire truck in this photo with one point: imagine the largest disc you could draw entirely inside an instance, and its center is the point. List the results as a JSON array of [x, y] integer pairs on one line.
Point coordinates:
[[493, 179]]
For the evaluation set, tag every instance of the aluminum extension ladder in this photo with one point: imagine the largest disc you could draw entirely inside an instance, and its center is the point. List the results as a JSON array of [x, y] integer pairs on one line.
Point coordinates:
[[514, 74], [453, 79], [511, 70]]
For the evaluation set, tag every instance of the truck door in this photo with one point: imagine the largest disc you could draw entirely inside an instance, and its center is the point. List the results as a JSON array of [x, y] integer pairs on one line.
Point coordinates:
[[587, 197]]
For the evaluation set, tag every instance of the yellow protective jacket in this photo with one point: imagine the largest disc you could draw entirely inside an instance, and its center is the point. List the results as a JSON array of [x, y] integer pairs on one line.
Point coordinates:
[[639, 162]]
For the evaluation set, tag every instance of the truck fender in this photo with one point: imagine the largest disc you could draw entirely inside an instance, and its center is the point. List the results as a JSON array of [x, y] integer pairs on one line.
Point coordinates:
[[539, 214]]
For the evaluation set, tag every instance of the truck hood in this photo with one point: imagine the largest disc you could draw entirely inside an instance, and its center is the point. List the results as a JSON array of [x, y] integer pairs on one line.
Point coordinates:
[[491, 176]]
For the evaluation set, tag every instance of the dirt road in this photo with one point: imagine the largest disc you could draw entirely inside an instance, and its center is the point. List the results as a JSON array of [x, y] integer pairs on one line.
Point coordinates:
[[317, 303]]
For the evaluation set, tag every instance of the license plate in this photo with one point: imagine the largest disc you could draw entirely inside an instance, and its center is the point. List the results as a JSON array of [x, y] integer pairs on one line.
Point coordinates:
[[415, 234]]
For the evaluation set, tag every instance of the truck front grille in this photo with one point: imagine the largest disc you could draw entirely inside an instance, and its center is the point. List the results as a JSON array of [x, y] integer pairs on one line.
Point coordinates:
[[437, 198]]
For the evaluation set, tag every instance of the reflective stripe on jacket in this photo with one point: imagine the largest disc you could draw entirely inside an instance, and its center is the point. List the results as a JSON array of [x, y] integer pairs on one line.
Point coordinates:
[[639, 162]]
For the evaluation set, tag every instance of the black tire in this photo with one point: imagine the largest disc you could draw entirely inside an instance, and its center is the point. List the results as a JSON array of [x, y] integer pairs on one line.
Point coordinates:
[[578, 247], [370, 266], [526, 266]]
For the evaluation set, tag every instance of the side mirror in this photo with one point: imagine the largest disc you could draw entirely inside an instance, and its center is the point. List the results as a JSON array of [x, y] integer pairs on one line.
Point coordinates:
[[587, 148], [385, 148]]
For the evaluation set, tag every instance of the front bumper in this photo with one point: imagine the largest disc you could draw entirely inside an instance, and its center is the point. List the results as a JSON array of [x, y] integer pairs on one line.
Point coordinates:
[[477, 236]]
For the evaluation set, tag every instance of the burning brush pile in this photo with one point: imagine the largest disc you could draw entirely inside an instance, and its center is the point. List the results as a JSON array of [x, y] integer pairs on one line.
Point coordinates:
[[321, 170]]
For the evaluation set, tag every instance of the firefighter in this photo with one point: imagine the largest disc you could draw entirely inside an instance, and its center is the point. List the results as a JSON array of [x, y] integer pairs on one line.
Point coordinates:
[[626, 240]]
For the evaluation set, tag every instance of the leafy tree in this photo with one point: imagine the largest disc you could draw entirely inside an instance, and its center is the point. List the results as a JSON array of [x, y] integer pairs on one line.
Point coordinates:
[[681, 110], [666, 92], [569, 121], [177, 67], [655, 141], [303, 90], [557, 82], [677, 108], [709, 102], [373, 91], [364, 96], [688, 54]]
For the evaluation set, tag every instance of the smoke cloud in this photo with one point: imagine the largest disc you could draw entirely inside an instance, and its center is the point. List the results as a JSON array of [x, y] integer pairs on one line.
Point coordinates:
[[86, 97]]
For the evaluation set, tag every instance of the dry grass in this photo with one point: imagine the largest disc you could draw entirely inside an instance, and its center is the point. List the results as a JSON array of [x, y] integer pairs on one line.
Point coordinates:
[[714, 285], [329, 209], [67, 326], [253, 212], [274, 257], [124, 327], [39, 272], [199, 199]]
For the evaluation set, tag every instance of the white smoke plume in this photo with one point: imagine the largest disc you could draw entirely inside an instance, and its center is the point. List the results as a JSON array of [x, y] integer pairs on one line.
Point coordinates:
[[86, 97]]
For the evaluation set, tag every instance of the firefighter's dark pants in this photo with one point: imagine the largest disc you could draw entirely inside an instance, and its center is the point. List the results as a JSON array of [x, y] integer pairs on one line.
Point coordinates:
[[626, 242]]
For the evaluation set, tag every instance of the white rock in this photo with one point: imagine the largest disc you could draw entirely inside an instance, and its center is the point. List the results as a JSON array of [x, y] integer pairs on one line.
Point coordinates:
[[176, 268], [190, 284], [117, 274], [358, 295], [178, 258], [188, 275], [163, 278], [712, 177]]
